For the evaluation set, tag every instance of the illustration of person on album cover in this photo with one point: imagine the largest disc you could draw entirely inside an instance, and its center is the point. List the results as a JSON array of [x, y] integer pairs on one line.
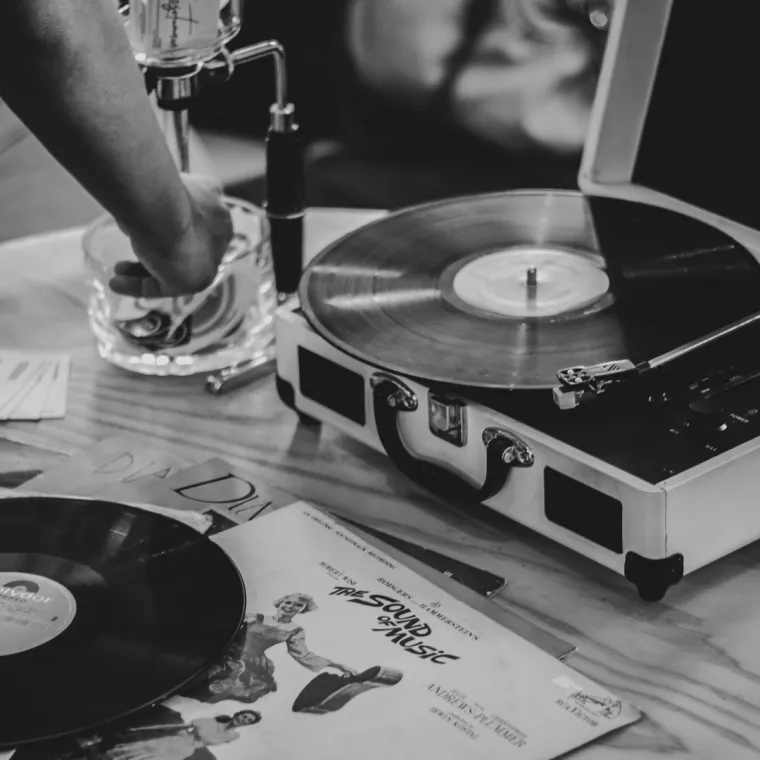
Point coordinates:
[[162, 734], [247, 673]]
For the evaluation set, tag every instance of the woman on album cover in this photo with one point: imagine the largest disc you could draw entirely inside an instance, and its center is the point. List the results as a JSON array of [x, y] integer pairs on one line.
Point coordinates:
[[247, 673]]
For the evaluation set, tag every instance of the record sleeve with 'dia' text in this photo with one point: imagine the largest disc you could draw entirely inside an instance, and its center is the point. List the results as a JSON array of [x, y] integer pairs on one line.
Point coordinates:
[[344, 653]]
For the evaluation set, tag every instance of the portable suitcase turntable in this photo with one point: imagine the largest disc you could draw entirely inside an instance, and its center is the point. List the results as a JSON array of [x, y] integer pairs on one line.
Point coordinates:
[[583, 363]]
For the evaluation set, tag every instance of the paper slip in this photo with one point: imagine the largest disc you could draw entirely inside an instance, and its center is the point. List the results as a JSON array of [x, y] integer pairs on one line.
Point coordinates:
[[19, 374], [55, 402], [33, 385], [345, 652], [109, 462], [484, 583]]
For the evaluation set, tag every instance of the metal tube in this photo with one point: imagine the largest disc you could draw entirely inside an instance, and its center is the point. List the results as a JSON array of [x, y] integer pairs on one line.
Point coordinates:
[[259, 50], [705, 340], [185, 85], [182, 137]]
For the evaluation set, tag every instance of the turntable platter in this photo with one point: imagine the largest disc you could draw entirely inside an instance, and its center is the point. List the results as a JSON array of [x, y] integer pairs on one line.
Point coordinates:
[[497, 290]]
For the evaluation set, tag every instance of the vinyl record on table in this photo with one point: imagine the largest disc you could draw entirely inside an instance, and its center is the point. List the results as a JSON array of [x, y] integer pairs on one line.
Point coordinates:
[[104, 610], [503, 290]]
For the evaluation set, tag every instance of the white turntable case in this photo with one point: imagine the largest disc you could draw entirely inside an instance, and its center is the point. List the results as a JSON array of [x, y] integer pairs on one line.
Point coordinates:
[[684, 522], [668, 528]]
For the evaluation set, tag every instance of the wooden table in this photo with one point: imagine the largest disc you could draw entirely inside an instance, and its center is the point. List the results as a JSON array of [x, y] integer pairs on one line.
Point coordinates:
[[692, 662]]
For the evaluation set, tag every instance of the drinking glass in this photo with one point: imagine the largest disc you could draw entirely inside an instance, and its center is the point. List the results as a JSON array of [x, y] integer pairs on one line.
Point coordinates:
[[229, 323]]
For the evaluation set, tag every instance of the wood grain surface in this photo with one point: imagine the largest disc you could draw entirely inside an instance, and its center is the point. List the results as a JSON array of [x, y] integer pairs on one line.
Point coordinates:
[[691, 662]]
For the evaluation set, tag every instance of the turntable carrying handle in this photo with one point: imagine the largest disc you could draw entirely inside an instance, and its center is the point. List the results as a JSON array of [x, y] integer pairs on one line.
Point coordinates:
[[390, 397]]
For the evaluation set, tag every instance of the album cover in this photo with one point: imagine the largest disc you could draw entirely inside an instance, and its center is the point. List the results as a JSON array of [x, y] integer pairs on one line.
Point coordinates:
[[117, 460], [215, 487], [344, 653]]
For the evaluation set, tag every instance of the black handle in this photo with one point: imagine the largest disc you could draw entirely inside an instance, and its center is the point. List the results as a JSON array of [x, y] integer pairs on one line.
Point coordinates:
[[389, 398], [285, 181], [285, 206], [287, 252]]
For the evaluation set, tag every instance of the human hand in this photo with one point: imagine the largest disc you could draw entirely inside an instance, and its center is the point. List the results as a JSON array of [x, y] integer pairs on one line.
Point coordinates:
[[187, 265]]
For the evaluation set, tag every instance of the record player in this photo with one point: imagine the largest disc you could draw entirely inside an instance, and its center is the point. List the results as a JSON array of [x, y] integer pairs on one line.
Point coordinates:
[[583, 363]]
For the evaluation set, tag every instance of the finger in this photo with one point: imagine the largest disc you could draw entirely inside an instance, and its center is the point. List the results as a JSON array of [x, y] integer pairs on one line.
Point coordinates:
[[137, 287], [130, 269]]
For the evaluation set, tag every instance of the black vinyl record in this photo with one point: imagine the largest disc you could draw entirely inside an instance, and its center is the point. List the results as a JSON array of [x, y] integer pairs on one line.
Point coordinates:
[[503, 290], [104, 610]]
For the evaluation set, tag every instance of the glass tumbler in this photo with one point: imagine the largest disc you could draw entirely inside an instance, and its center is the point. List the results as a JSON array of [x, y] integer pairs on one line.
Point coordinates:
[[230, 322]]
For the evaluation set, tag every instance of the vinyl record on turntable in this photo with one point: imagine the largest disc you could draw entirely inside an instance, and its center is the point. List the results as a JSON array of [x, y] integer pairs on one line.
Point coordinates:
[[104, 610], [503, 290]]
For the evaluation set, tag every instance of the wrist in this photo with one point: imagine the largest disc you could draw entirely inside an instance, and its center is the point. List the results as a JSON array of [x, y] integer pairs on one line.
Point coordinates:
[[164, 232]]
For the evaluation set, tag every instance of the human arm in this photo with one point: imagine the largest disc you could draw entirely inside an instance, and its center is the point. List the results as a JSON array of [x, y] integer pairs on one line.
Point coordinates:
[[68, 72], [300, 652]]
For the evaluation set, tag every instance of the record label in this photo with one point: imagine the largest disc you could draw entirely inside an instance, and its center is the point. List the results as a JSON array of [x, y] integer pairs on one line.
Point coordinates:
[[530, 281], [33, 611]]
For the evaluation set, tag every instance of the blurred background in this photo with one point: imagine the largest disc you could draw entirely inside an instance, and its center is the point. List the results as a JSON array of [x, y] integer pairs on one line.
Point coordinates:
[[399, 102], [404, 101]]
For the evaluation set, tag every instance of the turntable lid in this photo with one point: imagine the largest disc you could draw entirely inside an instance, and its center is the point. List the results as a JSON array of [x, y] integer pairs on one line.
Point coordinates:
[[674, 125]]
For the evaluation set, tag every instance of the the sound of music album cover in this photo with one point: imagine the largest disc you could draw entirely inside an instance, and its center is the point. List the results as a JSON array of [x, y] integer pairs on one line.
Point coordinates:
[[344, 654]]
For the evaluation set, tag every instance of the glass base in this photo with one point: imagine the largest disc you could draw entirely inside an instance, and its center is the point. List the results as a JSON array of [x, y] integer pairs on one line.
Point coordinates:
[[249, 345]]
